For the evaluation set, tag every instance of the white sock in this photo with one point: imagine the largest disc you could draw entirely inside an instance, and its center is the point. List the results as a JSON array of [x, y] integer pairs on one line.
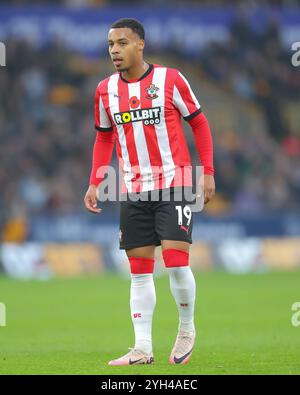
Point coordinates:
[[142, 303], [183, 288]]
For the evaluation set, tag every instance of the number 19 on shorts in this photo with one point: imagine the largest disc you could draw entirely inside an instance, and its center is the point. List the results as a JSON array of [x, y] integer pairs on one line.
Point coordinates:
[[186, 212]]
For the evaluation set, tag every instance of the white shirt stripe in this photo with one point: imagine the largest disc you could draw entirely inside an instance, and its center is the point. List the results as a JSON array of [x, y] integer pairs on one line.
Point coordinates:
[[191, 91], [114, 106], [104, 120], [159, 79], [140, 143], [179, 103]]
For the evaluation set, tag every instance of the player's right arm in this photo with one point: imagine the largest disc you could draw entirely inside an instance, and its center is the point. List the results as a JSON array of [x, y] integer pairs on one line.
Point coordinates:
[[102, 152]]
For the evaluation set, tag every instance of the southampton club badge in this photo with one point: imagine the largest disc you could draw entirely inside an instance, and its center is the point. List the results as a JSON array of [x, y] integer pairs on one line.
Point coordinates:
[[151, 90]]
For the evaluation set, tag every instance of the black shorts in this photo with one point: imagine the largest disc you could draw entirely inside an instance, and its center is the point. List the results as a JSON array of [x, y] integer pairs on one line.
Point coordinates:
[[165, 215]]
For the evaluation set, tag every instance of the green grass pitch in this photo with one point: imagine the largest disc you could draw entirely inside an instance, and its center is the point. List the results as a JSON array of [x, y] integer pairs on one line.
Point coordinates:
[[75, 326]]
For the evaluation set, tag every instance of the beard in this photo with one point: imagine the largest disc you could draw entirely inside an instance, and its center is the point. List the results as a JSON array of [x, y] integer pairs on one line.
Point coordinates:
[[123, 69]]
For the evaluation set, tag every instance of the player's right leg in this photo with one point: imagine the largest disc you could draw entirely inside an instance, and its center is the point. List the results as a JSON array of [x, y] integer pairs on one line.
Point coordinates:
[[142, 304], [138, 238]]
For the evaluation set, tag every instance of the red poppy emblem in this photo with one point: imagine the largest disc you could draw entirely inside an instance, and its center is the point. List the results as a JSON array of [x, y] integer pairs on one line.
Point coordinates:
[[134, 102]]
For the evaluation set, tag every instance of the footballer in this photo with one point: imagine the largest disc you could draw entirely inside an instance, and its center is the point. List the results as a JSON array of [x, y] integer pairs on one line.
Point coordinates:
[[138, 109]]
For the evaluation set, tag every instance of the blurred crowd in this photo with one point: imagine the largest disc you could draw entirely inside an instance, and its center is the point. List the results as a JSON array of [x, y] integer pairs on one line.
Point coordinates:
[[256, 66], [47, 127], [260, 174], [47, 131]]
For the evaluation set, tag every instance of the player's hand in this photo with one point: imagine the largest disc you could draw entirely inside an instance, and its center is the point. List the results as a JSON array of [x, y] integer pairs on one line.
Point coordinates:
[[90, 200], [209, 187]]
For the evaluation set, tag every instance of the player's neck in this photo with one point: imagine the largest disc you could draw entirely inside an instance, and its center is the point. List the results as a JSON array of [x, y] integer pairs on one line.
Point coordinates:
[[135, 72]]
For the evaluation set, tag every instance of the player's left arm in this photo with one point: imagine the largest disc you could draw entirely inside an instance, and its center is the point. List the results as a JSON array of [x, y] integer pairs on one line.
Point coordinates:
[[189, 107]]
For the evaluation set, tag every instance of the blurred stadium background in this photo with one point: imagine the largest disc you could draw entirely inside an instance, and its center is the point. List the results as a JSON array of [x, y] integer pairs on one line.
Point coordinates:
[[237, 56]]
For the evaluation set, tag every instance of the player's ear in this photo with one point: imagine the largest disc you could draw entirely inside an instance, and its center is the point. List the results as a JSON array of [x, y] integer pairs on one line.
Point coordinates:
[[141, 44]]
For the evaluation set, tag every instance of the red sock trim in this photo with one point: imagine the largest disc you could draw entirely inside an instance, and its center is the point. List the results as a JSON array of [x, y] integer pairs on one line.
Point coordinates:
[[175, 258], [141, 265]]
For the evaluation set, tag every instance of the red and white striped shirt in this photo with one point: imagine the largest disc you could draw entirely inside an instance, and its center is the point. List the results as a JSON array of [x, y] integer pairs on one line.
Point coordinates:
[[145, 117]]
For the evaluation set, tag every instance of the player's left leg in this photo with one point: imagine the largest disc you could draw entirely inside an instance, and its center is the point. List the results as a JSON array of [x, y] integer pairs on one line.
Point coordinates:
[[183, 288]]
